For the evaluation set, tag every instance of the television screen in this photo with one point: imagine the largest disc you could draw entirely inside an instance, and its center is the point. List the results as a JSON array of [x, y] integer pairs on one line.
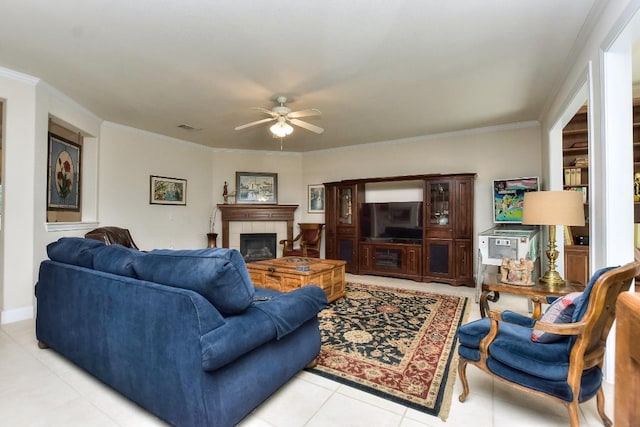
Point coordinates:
[[508, 198], [391, 221]]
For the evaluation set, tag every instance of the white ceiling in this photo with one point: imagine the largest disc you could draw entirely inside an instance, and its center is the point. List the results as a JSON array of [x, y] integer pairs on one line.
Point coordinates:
[[378, 70]]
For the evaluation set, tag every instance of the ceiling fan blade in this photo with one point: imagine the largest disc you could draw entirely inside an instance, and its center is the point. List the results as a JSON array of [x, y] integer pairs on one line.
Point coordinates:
[[304, 113], [257, 122], [264, 110], [307, 126]]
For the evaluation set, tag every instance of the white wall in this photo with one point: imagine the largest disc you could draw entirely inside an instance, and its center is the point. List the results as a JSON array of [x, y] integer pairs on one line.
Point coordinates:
[[498, 152], [129, 156], [28, 104], [16, 252]]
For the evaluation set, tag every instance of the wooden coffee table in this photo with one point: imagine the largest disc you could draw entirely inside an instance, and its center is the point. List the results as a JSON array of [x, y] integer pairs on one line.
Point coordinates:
[[288, 273], [537, 292]]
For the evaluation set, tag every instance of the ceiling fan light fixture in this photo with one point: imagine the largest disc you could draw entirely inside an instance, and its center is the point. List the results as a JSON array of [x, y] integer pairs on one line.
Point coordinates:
[[281, 129]]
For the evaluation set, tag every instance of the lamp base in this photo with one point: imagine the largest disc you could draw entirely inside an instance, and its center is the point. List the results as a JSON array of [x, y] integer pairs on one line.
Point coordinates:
[[552, 278]]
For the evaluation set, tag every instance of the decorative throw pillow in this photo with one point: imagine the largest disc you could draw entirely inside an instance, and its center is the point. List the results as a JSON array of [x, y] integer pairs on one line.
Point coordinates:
[[73, 250], [116, 259], [218, 274], [560, 311]]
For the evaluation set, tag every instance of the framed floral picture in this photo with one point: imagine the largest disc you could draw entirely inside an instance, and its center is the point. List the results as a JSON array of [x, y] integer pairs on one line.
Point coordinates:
[[64, 174], [315, 199], [167, 191]]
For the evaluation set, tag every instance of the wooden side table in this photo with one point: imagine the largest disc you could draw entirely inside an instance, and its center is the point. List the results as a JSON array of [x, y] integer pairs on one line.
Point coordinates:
[[492, 287]]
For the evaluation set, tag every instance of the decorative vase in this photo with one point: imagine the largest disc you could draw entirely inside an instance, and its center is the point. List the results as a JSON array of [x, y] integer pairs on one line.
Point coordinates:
[[212, 240]]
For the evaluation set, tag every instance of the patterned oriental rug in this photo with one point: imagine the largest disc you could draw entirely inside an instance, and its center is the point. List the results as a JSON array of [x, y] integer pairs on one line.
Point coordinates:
[[395, 343]]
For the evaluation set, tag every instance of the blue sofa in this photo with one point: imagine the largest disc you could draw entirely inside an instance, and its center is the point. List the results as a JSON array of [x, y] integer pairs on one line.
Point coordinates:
[[184, 334]]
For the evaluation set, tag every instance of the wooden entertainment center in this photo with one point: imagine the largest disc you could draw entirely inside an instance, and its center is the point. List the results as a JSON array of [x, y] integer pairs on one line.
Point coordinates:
[[442, 251]]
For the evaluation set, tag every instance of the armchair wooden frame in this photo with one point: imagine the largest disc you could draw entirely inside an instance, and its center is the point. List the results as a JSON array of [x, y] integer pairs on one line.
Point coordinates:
[[588, 349], [309, 239], [112, 236]]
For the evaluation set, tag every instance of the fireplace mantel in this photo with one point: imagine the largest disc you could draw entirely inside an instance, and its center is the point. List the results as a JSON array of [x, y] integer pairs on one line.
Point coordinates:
[[256, 212]]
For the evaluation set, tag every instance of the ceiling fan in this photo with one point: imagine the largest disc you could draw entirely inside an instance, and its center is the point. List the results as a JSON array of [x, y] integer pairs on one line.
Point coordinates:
[[283, 116]]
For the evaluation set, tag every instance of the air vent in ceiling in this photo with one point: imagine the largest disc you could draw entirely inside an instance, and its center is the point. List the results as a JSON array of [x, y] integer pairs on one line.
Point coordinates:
[[189, 128]]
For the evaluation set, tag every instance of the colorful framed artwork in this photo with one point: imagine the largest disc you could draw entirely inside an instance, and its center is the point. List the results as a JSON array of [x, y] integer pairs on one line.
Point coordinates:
[[315, 198], [256, 187], [167, 191], [64, 174]]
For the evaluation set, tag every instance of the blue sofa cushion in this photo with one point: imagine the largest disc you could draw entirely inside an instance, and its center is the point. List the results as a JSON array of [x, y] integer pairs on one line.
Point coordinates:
[[218, 274], [590, 382], [513, 347], [73, 250], [116, 259]]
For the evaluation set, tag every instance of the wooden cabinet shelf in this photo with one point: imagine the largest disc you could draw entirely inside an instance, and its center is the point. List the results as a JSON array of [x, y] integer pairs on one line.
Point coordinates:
[[576, 178], [392, 259], [443, 249], [576, 263]]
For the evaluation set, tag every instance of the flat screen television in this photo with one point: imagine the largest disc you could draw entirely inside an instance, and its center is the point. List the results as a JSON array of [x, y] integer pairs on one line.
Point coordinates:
[[395, 222], [508, 198]]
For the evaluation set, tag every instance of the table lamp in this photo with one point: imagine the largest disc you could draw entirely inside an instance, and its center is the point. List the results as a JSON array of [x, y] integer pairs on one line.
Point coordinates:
[[553, 208]]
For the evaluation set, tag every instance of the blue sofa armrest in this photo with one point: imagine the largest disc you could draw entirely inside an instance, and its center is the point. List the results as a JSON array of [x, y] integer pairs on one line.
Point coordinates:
[[289, 311], [269, 318]]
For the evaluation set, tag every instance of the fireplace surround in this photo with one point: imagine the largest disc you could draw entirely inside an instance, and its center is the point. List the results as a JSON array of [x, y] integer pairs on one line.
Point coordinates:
[[239, 212]]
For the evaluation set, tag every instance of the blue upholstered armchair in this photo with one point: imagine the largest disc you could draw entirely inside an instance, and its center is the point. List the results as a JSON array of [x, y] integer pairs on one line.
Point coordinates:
[[558, 356]]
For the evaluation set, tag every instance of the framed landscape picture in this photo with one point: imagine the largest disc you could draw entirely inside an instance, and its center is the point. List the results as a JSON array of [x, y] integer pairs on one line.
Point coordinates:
[[315, 198], [63, 177], [167, 191], [256, 187]]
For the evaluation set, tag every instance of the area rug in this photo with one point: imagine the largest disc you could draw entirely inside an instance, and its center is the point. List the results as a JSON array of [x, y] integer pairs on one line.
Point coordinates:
[[395, 343]]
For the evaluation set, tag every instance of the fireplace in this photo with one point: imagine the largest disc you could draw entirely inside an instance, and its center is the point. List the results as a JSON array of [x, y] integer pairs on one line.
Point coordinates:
[[258, 246]]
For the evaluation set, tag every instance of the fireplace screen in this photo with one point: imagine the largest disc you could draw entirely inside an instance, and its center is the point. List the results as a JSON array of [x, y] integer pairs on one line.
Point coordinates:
[[258, 246]]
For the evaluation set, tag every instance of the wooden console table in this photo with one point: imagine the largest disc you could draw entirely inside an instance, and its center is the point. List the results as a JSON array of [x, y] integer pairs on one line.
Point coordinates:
[[536, 292], [239, 212]]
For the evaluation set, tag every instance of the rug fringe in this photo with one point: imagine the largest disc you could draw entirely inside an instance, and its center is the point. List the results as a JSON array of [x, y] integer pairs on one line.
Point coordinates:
[[445, 407]]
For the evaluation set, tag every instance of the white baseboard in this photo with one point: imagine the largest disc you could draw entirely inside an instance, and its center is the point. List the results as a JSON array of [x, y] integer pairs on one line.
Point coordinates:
[[16, 315]]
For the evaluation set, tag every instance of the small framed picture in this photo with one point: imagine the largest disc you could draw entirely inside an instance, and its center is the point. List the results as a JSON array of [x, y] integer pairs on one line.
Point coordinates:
[[63, 177], [167, 191], [256, 187], [315, 198]]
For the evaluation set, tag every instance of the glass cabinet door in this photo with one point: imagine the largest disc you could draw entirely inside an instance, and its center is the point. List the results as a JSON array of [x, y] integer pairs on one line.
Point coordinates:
[[345, 198], [439, 203]]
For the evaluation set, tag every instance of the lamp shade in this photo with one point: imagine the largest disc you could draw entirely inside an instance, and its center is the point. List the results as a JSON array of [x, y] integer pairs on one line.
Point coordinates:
[[281, 128], [553, 208]]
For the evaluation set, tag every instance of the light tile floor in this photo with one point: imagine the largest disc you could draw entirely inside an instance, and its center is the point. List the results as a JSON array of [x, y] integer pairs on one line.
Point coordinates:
[[40, 388]]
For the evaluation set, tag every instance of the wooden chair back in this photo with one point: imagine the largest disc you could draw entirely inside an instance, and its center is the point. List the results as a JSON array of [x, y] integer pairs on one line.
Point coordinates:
[[309, 240], [311, 235], [590, 345]]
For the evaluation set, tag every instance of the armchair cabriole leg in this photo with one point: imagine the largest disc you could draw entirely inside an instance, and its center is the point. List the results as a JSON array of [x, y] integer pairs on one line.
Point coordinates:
[[462, 373], [574, 421], [600, 404]]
